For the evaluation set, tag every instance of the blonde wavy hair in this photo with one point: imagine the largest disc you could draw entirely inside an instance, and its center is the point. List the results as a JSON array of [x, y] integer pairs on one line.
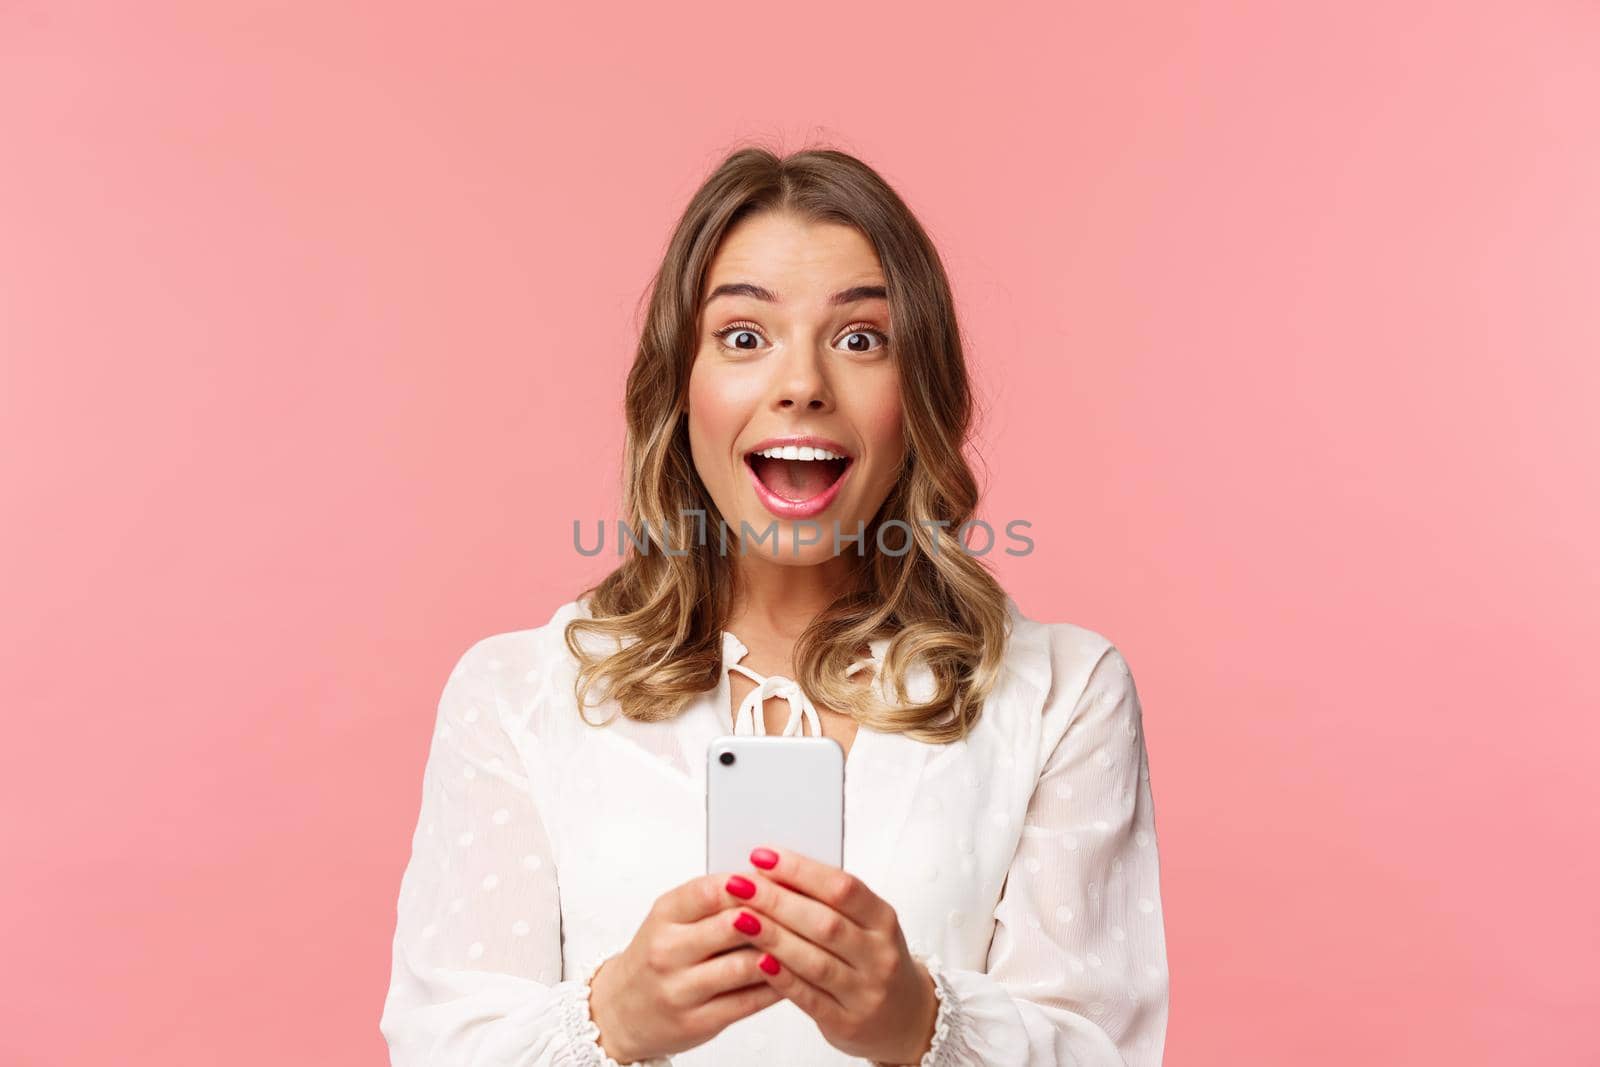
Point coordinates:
[[936, 602]]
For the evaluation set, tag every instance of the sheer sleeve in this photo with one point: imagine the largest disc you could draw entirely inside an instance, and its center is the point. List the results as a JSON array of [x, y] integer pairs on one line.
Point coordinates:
[[476, 974], [1076, 972]]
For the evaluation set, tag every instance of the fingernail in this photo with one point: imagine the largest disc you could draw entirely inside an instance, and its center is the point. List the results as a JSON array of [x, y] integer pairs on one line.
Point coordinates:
[[767, 963], [747, 923], [740, 886], [764, 858]]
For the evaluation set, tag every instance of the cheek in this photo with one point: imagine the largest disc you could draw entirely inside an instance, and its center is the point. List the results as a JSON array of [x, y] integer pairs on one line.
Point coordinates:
[[716, 413], [880, 418]]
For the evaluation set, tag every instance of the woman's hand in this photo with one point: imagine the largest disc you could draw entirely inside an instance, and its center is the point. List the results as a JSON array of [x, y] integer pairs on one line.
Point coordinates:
[[842, 957], [679, 992]]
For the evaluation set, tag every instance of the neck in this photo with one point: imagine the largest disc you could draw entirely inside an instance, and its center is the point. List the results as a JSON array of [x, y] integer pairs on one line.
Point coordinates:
[[772, 601]]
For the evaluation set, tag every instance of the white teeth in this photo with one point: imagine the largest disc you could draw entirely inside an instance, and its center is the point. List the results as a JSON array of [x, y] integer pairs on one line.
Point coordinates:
[[798, 452]]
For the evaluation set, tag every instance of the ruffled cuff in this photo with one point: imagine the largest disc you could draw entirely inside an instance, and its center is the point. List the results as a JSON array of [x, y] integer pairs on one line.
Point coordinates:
[[583, 1034], [948, 1025]]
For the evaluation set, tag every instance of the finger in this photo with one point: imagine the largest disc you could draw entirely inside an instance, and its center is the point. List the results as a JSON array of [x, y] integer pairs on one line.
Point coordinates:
[[698, 985], [833, 886], [715, 934], [693, 900], [727, 1008], [808, 998], [820, 969], [811, 919]]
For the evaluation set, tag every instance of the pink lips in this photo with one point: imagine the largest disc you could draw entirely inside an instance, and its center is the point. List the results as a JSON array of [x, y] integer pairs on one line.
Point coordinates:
[[797, 509]]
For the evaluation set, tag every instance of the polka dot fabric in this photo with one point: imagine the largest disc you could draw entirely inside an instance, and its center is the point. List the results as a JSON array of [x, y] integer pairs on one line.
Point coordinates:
[[477, 965], [1076, 972], [1021, 861]]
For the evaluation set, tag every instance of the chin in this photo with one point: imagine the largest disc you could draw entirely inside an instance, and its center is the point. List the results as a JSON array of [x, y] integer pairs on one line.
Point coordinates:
[[785, 552], [807, 556]]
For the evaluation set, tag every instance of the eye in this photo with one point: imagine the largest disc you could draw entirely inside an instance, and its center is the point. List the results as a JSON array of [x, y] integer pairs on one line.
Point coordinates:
[[862, 330], [741, 332]]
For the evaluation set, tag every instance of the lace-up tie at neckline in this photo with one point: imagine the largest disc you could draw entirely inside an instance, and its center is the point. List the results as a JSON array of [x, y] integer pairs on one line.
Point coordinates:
[[750, 720]]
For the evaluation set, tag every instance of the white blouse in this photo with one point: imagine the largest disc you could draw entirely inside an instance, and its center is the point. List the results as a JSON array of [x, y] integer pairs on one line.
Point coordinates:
[[1021, 861]]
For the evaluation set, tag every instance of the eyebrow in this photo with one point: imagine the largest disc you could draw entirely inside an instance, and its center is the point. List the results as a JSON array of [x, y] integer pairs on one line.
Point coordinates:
[[843, 296]]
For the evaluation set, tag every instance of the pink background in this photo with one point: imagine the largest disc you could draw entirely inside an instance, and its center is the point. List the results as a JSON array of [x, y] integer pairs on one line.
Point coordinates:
[[314, 326]]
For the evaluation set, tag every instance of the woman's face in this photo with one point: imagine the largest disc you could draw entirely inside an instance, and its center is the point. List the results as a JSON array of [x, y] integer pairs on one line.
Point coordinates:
[[794, 341]]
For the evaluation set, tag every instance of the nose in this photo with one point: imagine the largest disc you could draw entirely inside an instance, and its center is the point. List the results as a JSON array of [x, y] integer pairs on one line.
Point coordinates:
[[802, 384]]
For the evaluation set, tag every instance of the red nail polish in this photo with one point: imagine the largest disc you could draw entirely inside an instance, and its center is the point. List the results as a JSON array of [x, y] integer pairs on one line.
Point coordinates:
[[747, 923], [764, 858], [740, 886], [767, 963]]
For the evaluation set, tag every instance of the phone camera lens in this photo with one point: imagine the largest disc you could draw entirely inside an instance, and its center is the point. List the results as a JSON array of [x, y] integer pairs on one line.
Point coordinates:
[[727, 757]]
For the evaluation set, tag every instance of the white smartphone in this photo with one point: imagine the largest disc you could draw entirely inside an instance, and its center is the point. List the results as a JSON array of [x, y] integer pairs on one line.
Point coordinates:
[[778, 791]]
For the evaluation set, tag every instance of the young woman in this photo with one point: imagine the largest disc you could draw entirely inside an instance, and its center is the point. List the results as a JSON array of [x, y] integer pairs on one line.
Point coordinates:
[[999, 901]]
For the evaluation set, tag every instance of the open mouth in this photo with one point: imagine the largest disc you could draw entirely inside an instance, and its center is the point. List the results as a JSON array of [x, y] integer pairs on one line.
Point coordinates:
[[797, 475]]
